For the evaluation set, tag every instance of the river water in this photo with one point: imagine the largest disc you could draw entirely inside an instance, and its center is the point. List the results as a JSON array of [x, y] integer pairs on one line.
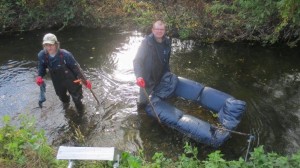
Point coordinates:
[[268, 79]]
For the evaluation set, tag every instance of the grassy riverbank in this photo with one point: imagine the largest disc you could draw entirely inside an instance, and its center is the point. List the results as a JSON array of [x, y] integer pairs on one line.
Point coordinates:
[[25, 147], [266, 22]]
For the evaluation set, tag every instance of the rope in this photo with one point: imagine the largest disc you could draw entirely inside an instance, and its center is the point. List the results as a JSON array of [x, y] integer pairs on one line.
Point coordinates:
[[231, 131], [250, 139], [152, 107]]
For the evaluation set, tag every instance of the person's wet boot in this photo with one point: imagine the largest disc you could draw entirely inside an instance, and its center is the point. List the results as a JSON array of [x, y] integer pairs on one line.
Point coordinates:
[[141, 106], [66, 105], [80, 107], [65, 100], [40, 104]]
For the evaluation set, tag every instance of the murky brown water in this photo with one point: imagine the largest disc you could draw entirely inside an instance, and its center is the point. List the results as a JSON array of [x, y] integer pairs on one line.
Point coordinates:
[[266, 78]]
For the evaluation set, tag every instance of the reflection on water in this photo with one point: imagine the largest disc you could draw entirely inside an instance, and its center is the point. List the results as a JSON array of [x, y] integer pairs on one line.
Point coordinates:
[[266, 78]]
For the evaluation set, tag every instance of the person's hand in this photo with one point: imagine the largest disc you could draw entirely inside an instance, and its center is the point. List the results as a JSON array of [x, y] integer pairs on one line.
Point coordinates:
[[88, 84], [140, 81], [39, 80]]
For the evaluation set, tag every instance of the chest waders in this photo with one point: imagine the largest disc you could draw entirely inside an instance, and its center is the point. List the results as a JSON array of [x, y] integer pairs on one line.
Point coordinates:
[[62, 79]]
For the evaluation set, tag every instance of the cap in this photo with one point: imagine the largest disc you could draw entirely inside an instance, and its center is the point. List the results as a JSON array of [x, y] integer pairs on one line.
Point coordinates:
[[49, 39]]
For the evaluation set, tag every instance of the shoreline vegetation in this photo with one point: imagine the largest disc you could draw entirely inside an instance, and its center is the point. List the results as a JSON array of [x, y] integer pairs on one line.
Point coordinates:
[[266, 22], [25, 146]]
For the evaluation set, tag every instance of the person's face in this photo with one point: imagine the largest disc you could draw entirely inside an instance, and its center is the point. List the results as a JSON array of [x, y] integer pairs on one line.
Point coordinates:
[[51, 48], [159, 31]]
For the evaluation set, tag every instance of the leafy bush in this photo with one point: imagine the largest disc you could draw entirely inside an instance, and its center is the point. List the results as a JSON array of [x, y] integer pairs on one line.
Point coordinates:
[[21, 15], [25, 146], [267, 22]]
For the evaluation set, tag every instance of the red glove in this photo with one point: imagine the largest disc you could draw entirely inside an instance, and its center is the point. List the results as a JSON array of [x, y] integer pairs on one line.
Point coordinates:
[[140, 81], [88, 84], [39, 80]]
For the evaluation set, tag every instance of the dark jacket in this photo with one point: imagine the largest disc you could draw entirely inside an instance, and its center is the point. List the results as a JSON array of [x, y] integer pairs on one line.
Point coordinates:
[[62, 58], [152, 61]]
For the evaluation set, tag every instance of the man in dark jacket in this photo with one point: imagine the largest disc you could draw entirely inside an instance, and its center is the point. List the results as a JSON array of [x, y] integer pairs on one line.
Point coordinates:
[[152, 61], [64, 70]]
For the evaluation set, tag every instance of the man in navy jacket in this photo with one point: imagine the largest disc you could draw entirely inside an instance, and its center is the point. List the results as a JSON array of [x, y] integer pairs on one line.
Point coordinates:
[[152, 61], [64, 70]]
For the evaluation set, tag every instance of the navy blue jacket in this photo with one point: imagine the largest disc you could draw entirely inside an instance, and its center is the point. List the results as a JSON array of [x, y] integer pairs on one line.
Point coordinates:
[[152, 62], [56, 62]]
